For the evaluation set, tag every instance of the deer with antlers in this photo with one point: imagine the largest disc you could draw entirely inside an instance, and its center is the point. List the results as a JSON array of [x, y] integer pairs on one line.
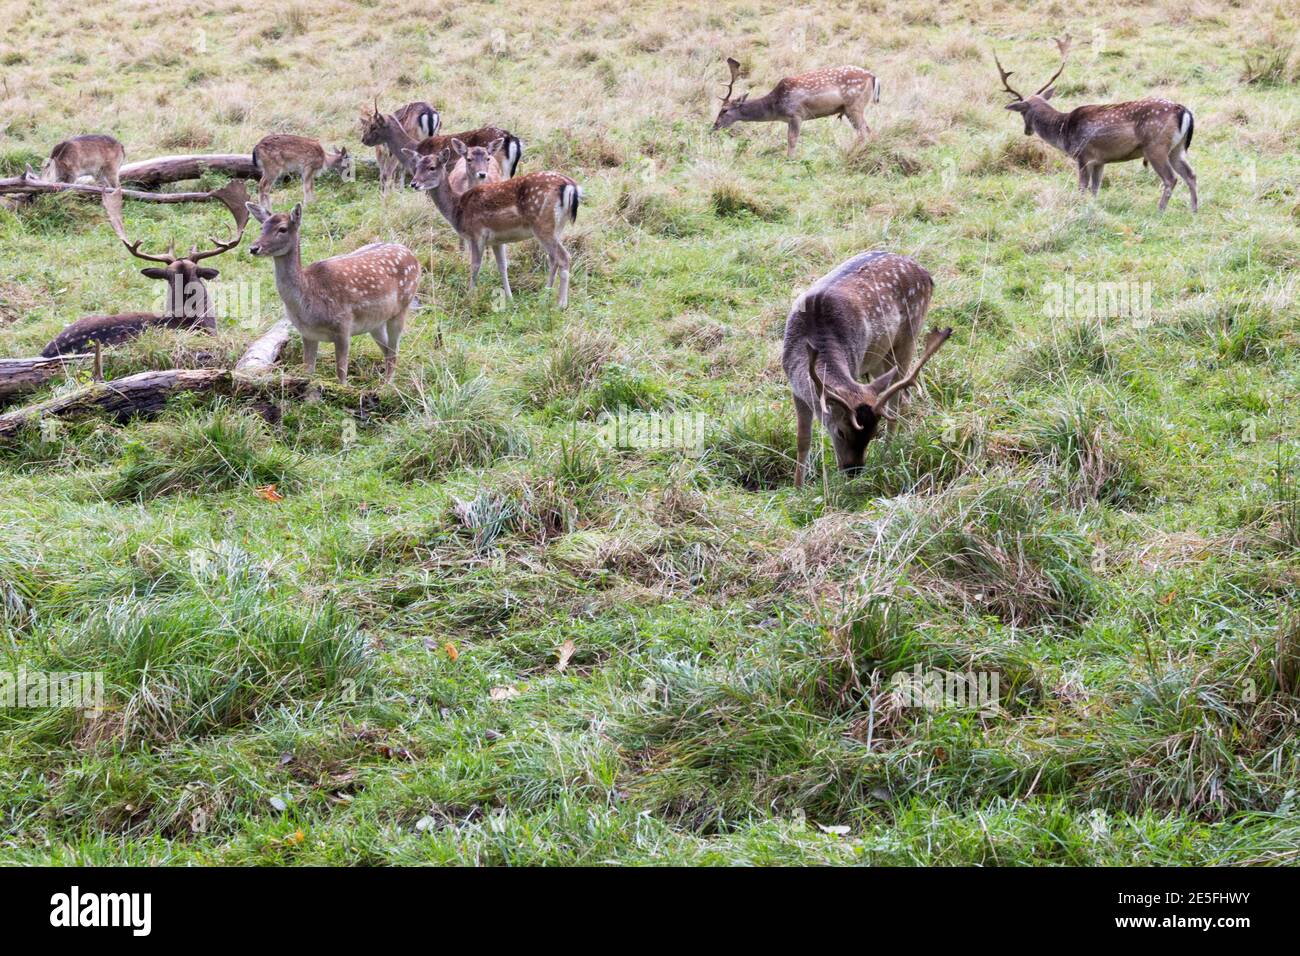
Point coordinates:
[[387, 131], [539, 205], [842, 91], [281, 153], [189, 305], [847, 340], [418, 120], [368, 290], [1156, 131]]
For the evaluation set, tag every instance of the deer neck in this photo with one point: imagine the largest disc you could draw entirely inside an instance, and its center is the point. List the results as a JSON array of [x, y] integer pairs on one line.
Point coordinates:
[[759, 110], [1049, 124], [397, 139], [290, 281], [448, 203]]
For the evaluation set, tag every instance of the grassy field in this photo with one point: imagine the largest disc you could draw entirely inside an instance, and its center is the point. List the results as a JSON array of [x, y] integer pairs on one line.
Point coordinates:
[[471, 631]]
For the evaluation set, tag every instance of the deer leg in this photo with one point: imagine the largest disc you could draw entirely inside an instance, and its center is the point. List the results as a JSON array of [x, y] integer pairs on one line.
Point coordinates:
[[560, 263], [1160, 163], [264, 187], [1085, 176], [803, 418], [1184, 169], [475, 260], [308, 186], [1094, 177], [395, 328], [499, 250], [854, 114], [341, 347], [791, 136], [309, 347]]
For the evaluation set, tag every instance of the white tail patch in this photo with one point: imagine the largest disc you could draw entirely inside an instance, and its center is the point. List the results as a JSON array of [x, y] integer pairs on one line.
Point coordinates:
[[875, 89], [513, 155], [1182, 129]]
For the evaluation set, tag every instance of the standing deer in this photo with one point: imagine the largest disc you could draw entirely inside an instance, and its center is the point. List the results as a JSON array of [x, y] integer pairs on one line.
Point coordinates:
[[860, 322], [1156, 131], [842, 91], [90, 155], [281, 153], [387, 130], [369, 290], [418, 119], [537, 205]]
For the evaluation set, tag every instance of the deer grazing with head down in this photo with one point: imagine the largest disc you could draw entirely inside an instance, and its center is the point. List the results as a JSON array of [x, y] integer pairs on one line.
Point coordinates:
[[1156, 131], [90, 155], [418, 120], [281, 153], [537, 205], [368, 290], [842, 91], [847, 341]]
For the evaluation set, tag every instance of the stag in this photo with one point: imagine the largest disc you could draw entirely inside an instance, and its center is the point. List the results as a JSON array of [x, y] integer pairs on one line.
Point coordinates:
[[417, 119], [387, 131], [1156, 131], [860, 322], [842, 91]]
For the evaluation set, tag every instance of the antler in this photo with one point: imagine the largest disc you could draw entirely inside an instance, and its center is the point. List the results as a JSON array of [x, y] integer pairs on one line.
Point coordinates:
[[134, 249], [221, 247], [113, 208], [734, 66], [933, 342], [234, 196], [1005, 74], [1064, 46]]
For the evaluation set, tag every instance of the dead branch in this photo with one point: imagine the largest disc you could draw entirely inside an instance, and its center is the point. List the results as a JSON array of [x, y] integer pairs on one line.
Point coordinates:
[[261, 357], [28, 374]]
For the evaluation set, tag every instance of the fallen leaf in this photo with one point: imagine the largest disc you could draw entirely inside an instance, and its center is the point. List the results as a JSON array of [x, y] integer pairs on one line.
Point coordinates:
[[565, 652], [503, 693], [450, 648], [424, 823], [279, 803], [268, 493], [835, 830], [296, 837]]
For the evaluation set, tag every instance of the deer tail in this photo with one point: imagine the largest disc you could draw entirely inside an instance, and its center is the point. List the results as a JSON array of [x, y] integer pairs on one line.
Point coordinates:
[[875, 89], [514, 153], [256, 163], [570, 199], [1186, 127], [427, 123]]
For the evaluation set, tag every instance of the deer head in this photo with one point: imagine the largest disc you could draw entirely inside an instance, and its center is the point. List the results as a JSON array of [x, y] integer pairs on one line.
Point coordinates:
[[1025, 105], [428, 172], [853, 410], [478, 159], [730, 111], [279, 231]]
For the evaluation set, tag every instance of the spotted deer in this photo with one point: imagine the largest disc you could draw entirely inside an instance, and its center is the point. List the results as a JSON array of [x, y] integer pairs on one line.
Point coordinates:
[[281, 153], [847, 340], [539, 205], [90, 155], [842, 91], [1156, 131], [418, 120], [368, 290], [387, 130]]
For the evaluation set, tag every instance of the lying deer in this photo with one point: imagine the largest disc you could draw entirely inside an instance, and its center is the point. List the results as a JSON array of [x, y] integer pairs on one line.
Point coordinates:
[[1156, 131], [281, 153], [858, 323], [537, 205], [387, 130], [91, 155], [418, 120], [368, 290], [842, 91]]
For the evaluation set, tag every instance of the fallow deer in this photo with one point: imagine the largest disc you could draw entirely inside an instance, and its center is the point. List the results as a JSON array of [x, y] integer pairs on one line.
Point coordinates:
[[847, 340], [387, 130], [537, 205], [1156, 131], [281, 153], [419, 120], [368, 290], [842, 91], [90, 155]]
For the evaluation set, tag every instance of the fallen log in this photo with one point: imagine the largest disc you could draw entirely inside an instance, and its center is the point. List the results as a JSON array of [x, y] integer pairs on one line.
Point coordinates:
[[28, 374], [261, 357], [233, 195], [174, 169]]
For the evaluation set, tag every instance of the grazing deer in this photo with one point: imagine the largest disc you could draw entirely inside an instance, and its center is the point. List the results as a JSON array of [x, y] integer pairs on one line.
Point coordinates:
[[842, 91], [537, 205], [418, 120], [369, 290], [387, 130], [858, 324], [91, 155], [1156, 131], [281, 153]]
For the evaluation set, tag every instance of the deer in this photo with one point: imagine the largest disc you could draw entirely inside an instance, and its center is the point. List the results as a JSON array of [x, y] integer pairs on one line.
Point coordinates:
[[418, 119], [842, 91], [368, 290], [1157, 131], [280, 153], [387, 130], [494, 214], [90, 155], [847, 340]]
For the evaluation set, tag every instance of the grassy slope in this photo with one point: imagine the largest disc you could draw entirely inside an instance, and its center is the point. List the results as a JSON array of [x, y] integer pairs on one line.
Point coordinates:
[[1090, 508]]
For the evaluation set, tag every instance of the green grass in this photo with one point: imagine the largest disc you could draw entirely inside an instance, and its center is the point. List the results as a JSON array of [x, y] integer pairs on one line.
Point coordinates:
[[363, 668]]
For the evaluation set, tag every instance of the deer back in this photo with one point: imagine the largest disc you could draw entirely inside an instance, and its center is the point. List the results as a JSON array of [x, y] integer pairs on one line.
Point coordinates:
[[87, 155], [284, 151]]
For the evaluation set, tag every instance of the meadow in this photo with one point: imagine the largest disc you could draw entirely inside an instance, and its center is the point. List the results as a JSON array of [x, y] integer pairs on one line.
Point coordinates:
[[450, 622]]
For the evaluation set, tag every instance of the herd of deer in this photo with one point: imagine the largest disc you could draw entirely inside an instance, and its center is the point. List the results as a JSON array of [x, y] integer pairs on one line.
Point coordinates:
[[847, 338]]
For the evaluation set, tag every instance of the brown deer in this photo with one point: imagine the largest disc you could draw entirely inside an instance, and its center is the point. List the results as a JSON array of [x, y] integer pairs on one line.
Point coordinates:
[[842, 91], [281, 153], [847, 340], [1156, 131], [368, 290], [90, 155], [537, 205], [387, 130], [418, 120]]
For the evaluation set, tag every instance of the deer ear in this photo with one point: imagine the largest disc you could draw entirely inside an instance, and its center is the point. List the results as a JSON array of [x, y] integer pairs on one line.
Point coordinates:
[[153, 272], [460, 148], [1019, 106], [494, 147], [257, 212], [407, 151], [295, 217], [204, 272], [743, 97], [1048, 93], [882, 382]]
